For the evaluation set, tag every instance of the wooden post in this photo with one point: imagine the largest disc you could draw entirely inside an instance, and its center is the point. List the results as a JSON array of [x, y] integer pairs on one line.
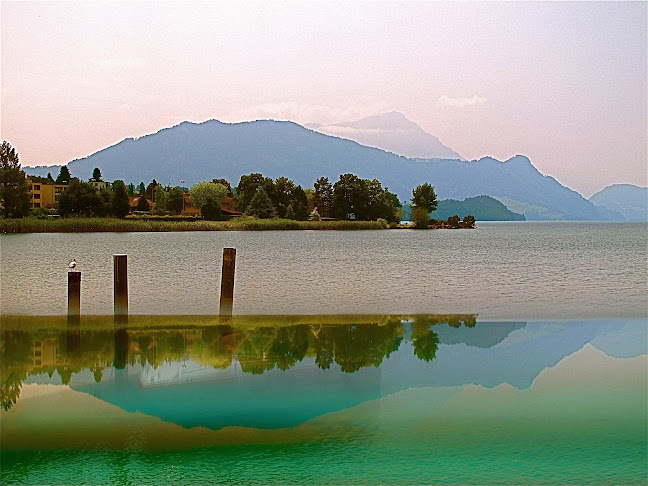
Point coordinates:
[[121, 285], [227, 282], [74, 294]]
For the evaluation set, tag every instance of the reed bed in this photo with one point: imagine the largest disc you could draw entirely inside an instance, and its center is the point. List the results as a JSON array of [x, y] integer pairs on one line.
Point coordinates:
[[90, 225]]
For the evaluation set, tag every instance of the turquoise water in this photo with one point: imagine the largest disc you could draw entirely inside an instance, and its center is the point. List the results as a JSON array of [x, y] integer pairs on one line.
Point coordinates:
[[419, 399]]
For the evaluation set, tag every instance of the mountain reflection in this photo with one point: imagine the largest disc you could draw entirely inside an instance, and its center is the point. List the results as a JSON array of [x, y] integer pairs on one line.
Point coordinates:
[[352, 345]]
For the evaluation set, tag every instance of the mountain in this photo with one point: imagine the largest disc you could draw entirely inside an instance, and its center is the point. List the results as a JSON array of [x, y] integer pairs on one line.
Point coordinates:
[[483, 208], [627, 201], [195, 152], [391, 132]]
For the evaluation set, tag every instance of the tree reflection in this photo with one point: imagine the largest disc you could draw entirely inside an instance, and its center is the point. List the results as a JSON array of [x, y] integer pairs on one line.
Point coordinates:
[[257, 350]]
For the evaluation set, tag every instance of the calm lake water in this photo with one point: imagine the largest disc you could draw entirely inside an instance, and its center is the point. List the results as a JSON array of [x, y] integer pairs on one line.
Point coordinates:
[[500, 270], [323, 400]]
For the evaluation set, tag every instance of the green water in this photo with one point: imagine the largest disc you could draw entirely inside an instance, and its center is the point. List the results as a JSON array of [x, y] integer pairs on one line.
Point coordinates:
[[363, 400]]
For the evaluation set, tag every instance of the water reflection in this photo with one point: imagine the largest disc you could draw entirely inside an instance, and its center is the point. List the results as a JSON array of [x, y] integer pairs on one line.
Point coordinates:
[[352, 345]]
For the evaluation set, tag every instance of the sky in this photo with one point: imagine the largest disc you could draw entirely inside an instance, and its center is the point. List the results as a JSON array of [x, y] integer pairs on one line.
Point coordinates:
[[564, 83]]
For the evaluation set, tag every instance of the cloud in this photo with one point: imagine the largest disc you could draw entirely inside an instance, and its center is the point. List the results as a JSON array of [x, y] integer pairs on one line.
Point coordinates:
[[461, 102]]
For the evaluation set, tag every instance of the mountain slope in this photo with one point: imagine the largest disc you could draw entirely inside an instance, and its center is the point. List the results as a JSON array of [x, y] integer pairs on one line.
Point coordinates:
[[391, 132], [628, 201], [196, 152], [483, 208]]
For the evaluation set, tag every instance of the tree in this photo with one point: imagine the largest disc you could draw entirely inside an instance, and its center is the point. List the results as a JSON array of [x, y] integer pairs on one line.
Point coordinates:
[[205, 191], [131, 189], [141, 189], [80, 198], [14, 189], [248, 186], [150, 189], [261, 205], [350, 197], [119, 206], [290, 213], [142, 204], [420, 218], [160, 199], [96, 175], [453, 221], [211, 210], [324, 196], [64, 176], [299, 203], [424, 197], [226, 183], [49, 176], [175, 201], [468, 221]]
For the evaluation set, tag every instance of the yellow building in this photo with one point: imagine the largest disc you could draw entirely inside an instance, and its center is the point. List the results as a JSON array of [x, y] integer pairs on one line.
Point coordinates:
[[45, 195]]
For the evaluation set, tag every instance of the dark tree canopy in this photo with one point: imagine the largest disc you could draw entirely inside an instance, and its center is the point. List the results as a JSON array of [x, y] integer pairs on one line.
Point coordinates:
[[175, 201], [64, 176], [226, 183], [261, 205], [80, 199], [119, 206], [96, 175], [142, 204], [150, 190], [424, 197], [211, 210], [14, 189], [324, 197]]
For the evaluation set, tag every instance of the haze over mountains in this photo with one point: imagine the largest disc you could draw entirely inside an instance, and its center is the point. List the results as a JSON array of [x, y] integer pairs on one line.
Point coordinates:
[[625, 199], [194, 152], [391, 132]]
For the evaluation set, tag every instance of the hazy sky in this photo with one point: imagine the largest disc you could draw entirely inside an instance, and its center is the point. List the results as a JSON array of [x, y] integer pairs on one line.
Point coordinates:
[[563, 83]]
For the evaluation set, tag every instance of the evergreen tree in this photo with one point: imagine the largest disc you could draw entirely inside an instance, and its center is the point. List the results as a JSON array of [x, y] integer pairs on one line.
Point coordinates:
[[49, 176], [119, 206], [160, 199], [324, 196], [96, 175], [131, 189], [290, 213], [175, 201], [64, 176], [14, 189], [261, 205], [150, 189], [141, 189], [142, 204]]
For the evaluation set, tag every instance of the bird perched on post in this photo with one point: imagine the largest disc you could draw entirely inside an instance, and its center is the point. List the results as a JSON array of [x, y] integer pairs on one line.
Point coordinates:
[[72, 265]]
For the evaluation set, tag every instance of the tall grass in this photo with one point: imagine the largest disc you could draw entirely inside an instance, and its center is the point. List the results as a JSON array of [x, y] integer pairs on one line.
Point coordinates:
[[89, 225]]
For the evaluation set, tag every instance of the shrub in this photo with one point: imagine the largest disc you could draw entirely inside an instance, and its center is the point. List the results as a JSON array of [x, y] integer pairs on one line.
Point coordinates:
[[420, 218], [383, 222], [453, 221]]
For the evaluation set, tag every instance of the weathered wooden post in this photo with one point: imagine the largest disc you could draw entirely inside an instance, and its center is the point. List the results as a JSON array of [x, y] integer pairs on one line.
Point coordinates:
[[227, 282], [121, 286], [74, 295]]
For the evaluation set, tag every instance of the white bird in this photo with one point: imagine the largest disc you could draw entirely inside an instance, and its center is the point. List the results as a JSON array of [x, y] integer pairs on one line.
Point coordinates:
[[72, 264]]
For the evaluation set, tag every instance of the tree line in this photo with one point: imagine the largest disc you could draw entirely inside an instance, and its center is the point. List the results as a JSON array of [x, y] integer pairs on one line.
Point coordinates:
[[350, 197]]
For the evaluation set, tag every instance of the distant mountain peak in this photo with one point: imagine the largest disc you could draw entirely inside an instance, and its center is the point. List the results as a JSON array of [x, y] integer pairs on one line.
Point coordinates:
[[393, 132]]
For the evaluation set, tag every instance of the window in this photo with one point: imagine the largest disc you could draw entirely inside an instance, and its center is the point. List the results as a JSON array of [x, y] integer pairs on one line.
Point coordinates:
[[37, 362], [37, 352], [37, 205], [36, 196], [36, 187]]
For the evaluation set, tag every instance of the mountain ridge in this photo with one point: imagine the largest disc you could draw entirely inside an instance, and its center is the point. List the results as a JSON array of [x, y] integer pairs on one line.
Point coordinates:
[[194, 152]]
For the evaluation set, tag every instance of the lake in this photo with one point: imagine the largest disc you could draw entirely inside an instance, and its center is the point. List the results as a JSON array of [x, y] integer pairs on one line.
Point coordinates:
[[500, 270], [516, 353]]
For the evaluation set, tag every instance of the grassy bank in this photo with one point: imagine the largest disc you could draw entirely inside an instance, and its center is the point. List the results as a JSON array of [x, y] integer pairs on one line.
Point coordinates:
[[90, 225]]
